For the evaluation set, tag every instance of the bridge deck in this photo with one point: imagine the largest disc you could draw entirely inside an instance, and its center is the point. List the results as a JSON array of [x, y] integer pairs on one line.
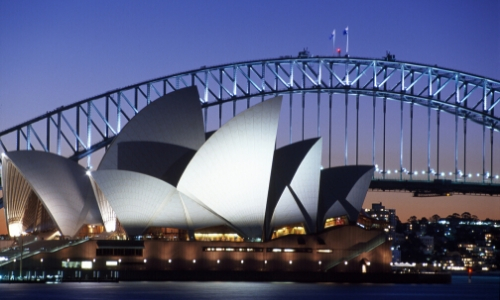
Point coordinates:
[[436, 187]]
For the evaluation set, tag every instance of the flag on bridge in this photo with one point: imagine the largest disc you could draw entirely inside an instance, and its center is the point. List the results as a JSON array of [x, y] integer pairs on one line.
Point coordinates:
[[332, 36]]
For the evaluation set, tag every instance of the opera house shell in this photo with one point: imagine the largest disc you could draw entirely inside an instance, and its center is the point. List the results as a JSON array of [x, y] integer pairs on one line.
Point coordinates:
[[163, 171]]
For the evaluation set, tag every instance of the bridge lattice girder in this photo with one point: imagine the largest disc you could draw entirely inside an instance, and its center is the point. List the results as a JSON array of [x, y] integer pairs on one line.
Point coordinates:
[[89, 125]]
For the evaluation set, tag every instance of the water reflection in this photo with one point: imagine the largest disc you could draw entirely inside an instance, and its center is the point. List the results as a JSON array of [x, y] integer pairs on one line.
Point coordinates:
[[479, 288]]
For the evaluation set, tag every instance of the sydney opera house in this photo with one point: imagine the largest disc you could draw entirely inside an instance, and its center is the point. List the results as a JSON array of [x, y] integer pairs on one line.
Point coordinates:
[[169, 196]]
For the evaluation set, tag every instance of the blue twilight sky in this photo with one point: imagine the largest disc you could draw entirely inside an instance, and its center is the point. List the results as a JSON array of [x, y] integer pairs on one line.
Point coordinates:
[[54, 53]]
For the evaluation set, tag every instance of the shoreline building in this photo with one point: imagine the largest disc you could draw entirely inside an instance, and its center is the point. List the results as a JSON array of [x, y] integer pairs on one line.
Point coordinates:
[[168, 196], [378, 217]]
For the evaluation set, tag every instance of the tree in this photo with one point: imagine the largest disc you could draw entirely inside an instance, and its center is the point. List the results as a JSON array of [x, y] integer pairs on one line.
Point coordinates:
[[412, 219], [466, 215], [435, 218]]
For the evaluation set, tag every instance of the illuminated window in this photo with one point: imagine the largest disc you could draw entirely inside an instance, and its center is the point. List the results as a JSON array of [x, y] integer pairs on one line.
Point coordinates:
[[296, 229], [216, 235], [230, 249], [325, 250], [86, 265], [337, 221], [289, 250]]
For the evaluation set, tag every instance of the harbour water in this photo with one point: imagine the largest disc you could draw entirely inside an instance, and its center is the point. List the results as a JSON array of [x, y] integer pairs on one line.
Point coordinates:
[[480, 287]]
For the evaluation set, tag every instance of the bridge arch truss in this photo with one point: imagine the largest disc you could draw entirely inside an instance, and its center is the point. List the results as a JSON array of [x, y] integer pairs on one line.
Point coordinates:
[[400, 116]]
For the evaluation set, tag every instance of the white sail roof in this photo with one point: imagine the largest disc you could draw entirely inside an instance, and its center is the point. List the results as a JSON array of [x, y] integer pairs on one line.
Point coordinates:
[[294, 185], [230, 173], [60, 184], [141, 201], [342, 191], [305, 183], [161, 134]]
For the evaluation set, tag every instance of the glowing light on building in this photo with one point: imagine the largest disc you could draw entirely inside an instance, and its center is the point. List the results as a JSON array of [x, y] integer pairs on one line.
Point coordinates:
[[325, 250], [15, 229], [86, 265]]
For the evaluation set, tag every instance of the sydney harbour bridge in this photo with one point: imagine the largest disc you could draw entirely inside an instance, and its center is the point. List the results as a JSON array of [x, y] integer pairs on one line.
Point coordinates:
[[428, 130]]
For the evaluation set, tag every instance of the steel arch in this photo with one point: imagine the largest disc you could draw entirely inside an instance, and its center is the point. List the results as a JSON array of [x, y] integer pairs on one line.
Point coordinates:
[[89, 125]]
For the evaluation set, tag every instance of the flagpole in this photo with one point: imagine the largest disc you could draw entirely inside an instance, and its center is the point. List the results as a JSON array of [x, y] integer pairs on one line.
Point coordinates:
[[347, 45], [334, 42], [332, 37]]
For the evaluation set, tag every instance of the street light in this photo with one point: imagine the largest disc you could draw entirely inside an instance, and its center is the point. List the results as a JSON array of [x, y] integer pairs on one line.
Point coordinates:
[[41, 266]]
